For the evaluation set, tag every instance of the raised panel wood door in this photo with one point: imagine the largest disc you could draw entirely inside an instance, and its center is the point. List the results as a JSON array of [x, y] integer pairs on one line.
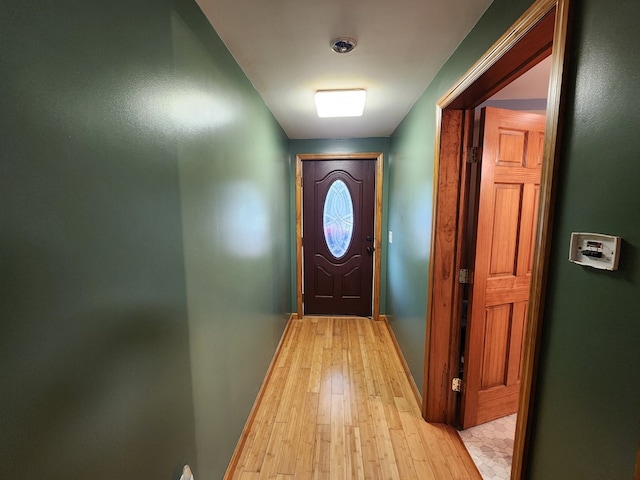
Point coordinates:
[[338, 236], [512, 145]]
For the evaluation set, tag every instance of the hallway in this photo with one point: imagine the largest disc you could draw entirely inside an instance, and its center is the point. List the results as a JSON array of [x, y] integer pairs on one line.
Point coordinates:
[[338, 405]]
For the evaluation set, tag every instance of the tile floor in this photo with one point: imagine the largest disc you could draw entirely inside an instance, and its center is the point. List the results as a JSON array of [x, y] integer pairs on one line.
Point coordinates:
[[491, 447]]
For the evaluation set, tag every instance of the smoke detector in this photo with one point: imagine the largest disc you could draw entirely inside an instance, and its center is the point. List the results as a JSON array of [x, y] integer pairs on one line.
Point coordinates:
[[343, 44]]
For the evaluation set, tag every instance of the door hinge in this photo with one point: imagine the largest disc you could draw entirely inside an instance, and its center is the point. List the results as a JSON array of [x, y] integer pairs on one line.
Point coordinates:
[[456, 385], [473, 155], [466, 276]]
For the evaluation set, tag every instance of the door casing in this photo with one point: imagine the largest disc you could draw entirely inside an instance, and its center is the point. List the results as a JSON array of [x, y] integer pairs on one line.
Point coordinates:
[[543, 28], [378, 157]]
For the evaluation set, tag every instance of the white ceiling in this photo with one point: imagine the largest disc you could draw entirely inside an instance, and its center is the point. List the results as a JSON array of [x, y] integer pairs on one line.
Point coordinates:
[[283, 46], [533, 84]]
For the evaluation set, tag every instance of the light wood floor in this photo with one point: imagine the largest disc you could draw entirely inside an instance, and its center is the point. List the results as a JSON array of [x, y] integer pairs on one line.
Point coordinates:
[[338, 405]]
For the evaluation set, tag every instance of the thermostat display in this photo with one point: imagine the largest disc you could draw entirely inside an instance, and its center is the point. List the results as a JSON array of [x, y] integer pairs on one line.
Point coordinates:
[[595, 250]]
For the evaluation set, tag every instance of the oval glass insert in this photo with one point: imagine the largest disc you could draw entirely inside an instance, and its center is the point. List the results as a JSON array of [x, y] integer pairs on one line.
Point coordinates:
[[337, 218]]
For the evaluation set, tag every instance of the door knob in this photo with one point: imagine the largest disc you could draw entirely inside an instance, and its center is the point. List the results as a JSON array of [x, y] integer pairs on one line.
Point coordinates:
[[370, 250], [369, 238]]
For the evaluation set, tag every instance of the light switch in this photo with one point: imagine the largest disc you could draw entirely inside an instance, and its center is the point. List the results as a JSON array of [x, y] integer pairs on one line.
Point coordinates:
[[595, 250], [390, 236]]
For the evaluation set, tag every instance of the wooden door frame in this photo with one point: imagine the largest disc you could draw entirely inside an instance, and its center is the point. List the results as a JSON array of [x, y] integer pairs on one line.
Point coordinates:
[[541, 30], [377, 253]]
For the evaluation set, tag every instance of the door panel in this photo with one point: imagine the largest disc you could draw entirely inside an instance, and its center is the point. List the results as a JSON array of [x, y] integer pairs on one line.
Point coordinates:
[[506, 220], [496, 342], [530, 224], [323, 282], [338, 267], [507, 208], [510, 147], [517, 339], [351, 283]]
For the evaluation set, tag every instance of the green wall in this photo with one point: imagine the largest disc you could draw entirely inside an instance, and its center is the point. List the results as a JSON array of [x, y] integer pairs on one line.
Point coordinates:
[[234, 178], [587, 422], [135, 328], [343, 145], [411, 188]]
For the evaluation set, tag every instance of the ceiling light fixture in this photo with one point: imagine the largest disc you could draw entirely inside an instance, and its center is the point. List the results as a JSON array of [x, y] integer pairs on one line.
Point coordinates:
[[340, 103]]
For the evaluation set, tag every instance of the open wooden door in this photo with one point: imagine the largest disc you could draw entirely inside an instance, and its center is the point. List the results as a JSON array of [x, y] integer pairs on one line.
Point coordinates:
[[512, 147]]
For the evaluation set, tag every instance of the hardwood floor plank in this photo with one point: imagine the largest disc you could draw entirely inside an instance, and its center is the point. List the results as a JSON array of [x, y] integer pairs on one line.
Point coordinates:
[[352, 335], [316, 363], [307, 337], [382, 379], [410, 427], [368, 365], [273, 395], [241, 464], [336, 364], [338, 450], [288, 394], [349, 392], [338, 406], [322, 453], [354, 463], [328, 332], [324, 408], [404, 461], [383, 440], [424, 470], [289, 344], [307, 439], [249, 476], [291, 441], [436, 448], [253, 455], [268, 469], [448, 437], [370, 456]]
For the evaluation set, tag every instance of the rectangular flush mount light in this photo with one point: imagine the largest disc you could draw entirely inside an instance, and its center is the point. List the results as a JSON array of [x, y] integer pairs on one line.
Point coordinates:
[[340, 103]]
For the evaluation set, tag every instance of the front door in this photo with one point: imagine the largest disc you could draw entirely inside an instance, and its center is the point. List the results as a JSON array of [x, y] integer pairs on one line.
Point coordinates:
[[512, 146], [338, 236]]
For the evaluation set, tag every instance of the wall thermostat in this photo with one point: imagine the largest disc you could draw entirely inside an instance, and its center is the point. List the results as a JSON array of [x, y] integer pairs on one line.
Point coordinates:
[[595, 250]]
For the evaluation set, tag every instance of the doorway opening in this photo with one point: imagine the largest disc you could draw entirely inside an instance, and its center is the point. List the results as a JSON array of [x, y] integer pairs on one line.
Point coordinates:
[[540, 32], [358, 246], [508, 131]]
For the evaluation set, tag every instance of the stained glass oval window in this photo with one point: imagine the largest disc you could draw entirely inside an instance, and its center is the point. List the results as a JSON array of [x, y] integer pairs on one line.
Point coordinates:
[[337, 218]]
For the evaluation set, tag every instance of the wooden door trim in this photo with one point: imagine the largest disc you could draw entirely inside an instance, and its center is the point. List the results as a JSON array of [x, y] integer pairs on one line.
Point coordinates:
[[522, 46], [378, 157]]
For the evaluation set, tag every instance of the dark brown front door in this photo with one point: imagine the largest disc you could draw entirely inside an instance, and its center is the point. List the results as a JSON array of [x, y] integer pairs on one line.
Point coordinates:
[[338, 230]]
